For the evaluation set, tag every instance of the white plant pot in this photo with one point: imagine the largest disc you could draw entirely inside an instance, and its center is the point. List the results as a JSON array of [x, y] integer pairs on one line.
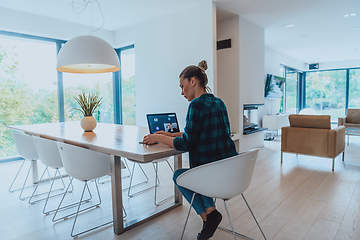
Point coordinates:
[[88, 123]]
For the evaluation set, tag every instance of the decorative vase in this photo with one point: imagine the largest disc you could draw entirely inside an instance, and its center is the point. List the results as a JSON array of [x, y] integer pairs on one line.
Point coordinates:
[[88, 123]]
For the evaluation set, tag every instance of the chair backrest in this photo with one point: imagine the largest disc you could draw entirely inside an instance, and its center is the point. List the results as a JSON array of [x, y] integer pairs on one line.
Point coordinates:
[[310, 121], [25, 145], [221, 179], [82, 163], [48, 152], [353, 116]]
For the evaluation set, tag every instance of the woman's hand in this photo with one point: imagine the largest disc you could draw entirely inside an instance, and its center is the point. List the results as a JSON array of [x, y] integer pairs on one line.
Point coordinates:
[[151, 139], [155, 138], [164, 133]]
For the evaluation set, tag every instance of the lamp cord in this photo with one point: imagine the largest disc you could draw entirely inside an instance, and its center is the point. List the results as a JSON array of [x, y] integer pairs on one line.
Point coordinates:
[[79, 6]]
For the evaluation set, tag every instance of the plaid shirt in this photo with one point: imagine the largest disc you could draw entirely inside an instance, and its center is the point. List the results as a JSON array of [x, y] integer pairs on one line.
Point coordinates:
[[207, 132]]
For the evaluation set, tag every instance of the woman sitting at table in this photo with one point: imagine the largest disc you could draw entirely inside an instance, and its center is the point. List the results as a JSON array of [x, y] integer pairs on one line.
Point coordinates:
[[206, 137]]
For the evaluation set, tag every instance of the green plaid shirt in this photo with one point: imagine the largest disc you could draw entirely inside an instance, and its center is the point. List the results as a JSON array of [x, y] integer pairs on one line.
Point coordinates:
[[207, 132]]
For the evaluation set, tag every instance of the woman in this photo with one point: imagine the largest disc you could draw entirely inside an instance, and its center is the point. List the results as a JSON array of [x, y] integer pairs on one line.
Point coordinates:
[[206, 137]]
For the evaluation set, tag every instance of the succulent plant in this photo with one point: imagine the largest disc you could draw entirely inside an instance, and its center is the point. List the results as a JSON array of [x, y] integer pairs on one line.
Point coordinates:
[[88, 103]]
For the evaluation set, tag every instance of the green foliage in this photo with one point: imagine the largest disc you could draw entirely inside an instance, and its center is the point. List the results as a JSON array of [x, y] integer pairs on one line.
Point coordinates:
[[88, 104], [129, 101], [325, 92]]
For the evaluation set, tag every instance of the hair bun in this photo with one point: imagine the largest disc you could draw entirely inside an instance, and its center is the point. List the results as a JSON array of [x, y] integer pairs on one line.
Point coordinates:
[[203, 65]]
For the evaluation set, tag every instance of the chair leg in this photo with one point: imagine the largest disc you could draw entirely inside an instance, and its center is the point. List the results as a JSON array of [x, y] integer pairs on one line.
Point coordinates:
[[54, 219], [229, 218], [156, 180], [247, 204], [343, 156], [348, 140], [131, 180], [27, 176], [17, 174], [51, 190], [187, 218], [333, 164], [281, 161], [37, 185], [78, 211], [156, 168]]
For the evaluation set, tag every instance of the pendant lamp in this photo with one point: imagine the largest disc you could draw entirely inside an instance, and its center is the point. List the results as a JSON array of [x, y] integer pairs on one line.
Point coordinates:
[[87, 54]]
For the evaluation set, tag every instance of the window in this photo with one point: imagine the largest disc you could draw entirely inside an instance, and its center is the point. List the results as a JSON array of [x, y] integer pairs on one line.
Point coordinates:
[[100, 83], [326, 92], [28, 86], [354, 88], [127, 59], [291, 90]]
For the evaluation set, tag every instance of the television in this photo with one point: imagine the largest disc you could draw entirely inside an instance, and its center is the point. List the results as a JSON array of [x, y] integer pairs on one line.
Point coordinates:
[[274, 86]]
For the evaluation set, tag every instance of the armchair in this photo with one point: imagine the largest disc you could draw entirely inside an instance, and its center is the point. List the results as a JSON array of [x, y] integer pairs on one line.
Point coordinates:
[[312, 135], [351, 122]]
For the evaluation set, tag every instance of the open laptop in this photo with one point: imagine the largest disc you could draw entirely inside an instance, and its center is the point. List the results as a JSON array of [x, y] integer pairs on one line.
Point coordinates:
[[162, 121]]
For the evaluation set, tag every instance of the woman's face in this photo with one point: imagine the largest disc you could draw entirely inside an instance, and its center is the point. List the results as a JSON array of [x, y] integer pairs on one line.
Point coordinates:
[[188, 88]]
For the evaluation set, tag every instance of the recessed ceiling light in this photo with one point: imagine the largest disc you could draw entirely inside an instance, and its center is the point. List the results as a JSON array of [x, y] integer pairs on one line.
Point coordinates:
[[350, 15], [290, 26]]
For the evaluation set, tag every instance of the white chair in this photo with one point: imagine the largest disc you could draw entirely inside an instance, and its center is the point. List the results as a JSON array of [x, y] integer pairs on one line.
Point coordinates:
[[49, 155], [84, 165], [26, 148], [222, 179], [157, 181]]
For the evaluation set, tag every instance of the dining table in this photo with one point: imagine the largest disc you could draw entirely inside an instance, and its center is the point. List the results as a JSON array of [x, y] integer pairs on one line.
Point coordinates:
[[118, 141]]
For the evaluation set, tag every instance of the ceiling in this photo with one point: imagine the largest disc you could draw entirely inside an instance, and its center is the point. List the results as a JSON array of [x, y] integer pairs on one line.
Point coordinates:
[[320, 32], [117, 13]]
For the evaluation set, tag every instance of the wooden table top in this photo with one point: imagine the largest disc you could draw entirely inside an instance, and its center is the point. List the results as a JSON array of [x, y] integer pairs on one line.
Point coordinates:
[[113, 139]]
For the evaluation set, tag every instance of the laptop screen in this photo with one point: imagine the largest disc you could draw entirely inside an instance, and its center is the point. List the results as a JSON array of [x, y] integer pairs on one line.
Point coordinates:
[[162, 121]]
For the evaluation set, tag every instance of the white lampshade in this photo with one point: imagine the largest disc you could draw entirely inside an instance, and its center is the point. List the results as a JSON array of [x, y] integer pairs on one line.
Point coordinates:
[[87, 54]]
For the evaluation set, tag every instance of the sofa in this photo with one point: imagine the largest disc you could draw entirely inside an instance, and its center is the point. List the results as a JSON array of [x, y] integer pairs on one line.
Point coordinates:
[[312, 135]]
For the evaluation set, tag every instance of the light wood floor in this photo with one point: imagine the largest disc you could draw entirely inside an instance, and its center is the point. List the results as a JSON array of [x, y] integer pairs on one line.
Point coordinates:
[[302, 199]]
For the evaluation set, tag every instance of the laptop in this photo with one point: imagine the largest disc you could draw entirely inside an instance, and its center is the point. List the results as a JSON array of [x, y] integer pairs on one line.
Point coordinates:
[[162, 122]]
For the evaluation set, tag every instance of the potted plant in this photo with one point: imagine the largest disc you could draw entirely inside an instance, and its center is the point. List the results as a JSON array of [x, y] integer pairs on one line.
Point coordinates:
[[88, 104]]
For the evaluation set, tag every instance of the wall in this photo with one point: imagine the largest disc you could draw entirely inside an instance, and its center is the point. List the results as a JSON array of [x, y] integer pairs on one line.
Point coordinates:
[[20, 22], [164, 46], [274, 61], [227, 83], [252, 73], [240, 72]]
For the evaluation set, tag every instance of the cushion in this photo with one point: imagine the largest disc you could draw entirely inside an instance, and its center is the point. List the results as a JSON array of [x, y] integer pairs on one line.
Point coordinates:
[[353, 116], [310, 121]]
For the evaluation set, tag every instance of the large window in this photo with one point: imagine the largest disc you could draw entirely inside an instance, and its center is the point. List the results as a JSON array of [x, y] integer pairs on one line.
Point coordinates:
[[28, 85], [100, 83], [291, 90], [326, 92], [354, 88], [127, 57]]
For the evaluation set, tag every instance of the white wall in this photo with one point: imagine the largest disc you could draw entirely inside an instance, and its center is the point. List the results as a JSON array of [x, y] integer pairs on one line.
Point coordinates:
[[240, 72], [274, 61], [21, 22], [164, 46], [252, 73], [227, 83]]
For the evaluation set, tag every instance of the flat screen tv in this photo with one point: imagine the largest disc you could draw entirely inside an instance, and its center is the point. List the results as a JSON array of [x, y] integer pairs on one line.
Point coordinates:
[[274, 86]]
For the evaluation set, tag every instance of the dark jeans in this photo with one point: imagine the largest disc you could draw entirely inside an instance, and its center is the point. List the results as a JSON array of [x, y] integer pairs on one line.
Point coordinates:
[[200, 203]]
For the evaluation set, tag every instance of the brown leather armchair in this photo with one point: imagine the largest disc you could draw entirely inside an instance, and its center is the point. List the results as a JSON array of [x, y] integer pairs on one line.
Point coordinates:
[[312, 135], [351, 122]]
